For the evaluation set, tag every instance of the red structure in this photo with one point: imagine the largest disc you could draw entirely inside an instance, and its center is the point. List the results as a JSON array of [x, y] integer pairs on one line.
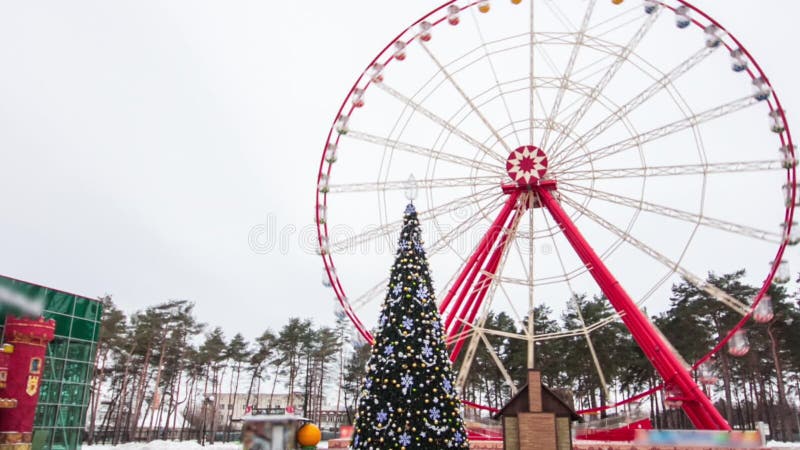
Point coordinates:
[[527, 166], [21, 369]]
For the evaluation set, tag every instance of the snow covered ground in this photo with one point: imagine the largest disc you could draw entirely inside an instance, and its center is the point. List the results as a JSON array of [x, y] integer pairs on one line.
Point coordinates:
[[776, 444], [165, 445], [193, 445], [174, 445]]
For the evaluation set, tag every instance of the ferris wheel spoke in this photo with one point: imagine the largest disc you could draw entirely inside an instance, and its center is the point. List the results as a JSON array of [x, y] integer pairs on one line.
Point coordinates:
[[504, 334], [672, 170], [367, 297], [509, 302], [609, 51], [560, 258], [466, 98], [499, 85], [573, 57], [466, 364], [548, 60], [637, 101], [416, 106], [380, 186], [578, 332], [554, 335], [500, 366], [560, 15], [351, 242], [424, 151], [477, 292], [531, 276], [686, 216], [601, 85], [578, 74], [442, 243], [531, 90], [597, 32], [657, 133], [446, 239], [584, 329], [723, 297], [592, 351], [437, 246]]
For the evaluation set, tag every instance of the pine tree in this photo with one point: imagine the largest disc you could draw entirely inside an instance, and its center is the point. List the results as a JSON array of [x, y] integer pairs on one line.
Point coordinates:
[[408, 400]]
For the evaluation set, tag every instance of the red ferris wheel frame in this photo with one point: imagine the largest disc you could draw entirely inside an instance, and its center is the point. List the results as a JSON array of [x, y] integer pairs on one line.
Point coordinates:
[[463, 300]]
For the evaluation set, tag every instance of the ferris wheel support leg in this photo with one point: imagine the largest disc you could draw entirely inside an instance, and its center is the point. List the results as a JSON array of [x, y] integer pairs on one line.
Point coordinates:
[[475, 261], [478, 294], [697, 406], [471, 270]]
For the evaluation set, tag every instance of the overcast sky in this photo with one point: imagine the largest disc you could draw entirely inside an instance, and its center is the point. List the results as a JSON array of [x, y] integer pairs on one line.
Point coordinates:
[[143, 141]]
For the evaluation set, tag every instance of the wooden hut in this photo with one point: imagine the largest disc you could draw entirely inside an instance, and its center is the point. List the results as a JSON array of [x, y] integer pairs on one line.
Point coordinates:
[[537, 419]]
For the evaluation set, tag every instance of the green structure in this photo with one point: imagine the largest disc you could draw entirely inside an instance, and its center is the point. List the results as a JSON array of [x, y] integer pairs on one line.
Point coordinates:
[[61, 413]]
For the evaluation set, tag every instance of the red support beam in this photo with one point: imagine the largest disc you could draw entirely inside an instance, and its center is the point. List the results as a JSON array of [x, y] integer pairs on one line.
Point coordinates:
[[478, 294], [459, 307], [464, 281], [697, 406]]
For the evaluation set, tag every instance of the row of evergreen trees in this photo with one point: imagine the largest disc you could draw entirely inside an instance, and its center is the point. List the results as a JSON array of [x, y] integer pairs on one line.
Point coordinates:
[[762, 386], [159, 372]]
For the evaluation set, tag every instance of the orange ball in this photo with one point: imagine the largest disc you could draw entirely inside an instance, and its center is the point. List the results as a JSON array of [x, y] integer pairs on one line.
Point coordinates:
[[617, 2], [309, 435], [516, 2]]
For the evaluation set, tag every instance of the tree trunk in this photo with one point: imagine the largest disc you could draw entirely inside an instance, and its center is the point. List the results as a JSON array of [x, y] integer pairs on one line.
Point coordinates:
[[97, 385], [341, 373], [274, 382], [235, 395], [189, 407], [229, 411], [161, 429], [157, 388], [177, 403], [292, 376], [109, 412], [257, 403], [140, 391], [204, 403], [175, 385], [256, 374], [783, 407], [123, 392], [321, 386], [726, 382], [215, 405]]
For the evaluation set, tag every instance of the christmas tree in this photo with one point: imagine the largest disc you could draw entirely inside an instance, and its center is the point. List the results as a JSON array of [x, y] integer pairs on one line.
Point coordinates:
[[408, 400]]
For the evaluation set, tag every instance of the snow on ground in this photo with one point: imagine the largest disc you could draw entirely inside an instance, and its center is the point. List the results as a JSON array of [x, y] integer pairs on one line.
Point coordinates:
[[166, 445], [174, 445], [777, 444], [193, 445]]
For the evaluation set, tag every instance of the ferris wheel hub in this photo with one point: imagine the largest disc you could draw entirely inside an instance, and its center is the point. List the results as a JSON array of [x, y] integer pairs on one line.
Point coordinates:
[[526, 165]]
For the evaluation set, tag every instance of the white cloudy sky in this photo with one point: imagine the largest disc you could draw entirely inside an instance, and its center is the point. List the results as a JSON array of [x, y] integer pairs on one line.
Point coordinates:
[[142, 141]]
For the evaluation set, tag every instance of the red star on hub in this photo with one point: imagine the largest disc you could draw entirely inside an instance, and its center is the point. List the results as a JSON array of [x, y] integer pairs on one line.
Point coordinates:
[[526, 165]]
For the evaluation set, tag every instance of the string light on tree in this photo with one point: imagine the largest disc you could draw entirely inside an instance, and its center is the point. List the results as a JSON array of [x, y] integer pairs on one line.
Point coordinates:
[[408, 400]]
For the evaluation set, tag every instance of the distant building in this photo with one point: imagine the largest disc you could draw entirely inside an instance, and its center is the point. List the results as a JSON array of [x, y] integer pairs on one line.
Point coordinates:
[[236, 405], [331, 420]]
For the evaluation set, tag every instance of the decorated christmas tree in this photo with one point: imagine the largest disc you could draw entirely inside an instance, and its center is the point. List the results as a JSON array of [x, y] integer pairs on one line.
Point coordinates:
[[408, 400]]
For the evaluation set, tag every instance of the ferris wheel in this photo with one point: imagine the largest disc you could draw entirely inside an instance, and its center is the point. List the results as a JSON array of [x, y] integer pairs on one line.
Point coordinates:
[[562, 147]]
